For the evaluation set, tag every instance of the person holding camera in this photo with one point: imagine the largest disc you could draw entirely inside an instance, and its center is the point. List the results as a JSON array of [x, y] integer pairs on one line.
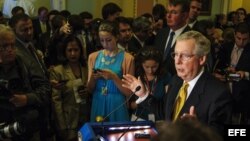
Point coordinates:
[[24, 92], [233, 68], [70, 101]]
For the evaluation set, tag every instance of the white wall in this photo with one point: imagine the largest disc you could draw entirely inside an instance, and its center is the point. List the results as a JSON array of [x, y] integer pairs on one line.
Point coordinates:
[[36, 3]]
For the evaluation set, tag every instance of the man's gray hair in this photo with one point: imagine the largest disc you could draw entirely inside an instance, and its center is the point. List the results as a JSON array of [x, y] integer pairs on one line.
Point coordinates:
[[202, 44], [4, 30]]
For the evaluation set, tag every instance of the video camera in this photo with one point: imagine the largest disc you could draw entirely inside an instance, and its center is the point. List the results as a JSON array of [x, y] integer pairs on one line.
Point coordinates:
[[8, 87], [4, 92], [229, 75], [10, 130], [14, 120]]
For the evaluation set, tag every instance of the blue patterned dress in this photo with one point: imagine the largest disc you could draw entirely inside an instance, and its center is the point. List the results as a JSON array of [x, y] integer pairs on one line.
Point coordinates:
[[107, 96]]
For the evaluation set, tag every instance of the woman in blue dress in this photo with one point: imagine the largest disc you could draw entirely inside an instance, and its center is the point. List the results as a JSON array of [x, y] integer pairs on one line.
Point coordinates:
[[106, 68]]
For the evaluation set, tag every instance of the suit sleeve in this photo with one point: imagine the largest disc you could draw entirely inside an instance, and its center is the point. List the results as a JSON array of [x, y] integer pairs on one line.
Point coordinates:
[[220, 111], [152, 105], [41, 88], [57, 102]]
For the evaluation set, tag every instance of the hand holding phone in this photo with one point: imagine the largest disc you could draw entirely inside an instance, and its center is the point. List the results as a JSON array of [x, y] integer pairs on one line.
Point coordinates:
[[97, 70], [82, 91], [63, 81], [58, 84]]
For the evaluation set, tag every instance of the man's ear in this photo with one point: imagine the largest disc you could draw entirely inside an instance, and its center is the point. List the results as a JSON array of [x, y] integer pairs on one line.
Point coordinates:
[[203, 59]]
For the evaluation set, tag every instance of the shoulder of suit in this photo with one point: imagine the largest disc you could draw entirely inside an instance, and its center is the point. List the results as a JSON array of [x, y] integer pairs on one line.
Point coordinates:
[[164, 30], [247, 47], [212, 81]]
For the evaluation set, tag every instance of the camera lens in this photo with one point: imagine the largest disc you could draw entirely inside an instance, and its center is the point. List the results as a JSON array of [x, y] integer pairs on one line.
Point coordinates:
[[11, 130]]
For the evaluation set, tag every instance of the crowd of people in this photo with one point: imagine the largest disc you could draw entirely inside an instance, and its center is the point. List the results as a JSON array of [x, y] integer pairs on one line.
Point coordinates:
[[61, 70]]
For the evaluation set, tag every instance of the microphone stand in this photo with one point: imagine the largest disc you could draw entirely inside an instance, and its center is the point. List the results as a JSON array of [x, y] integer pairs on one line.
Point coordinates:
[[125, 131], [117, 108]]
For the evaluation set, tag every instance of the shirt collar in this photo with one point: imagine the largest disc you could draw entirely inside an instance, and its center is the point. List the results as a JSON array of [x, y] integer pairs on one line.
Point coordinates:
[[177, 32], [192, 24], [141, 42], [193, 82], [25, 44]]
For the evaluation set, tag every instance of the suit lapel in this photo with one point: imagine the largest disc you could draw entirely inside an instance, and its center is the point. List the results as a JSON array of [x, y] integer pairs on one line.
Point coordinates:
[[244, 59], [194, 97], [172, 94], [69, 72], [187, 28]]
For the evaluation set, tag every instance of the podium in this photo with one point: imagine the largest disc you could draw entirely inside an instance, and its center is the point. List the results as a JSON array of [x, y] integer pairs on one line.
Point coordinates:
[[112, 131]]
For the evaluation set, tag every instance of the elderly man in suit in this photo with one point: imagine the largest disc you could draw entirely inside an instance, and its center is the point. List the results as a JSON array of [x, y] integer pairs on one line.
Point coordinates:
[[26, 94], [204, 98]]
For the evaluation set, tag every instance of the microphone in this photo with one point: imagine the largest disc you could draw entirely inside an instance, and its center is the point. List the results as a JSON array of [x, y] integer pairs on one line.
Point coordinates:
[[101, 119], [137, 117]]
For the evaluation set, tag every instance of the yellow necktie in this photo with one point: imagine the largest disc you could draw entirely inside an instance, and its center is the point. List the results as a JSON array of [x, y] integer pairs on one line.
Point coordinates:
[[180, 100]]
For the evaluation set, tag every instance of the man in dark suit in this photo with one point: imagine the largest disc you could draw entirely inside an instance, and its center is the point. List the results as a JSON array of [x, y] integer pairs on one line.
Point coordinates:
[[142, 29], [25, 49], [194, 12], [40, 23], [234, 59], [177, 15], [23, 28], [125, 32], [207, 99]]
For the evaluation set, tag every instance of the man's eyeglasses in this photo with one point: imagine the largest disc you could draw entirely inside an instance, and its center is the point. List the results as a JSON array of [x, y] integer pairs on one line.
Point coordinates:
[[182, 56], [6, 47]]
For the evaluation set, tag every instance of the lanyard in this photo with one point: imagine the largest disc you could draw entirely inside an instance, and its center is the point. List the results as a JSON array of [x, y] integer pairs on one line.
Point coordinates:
[[153, 85]]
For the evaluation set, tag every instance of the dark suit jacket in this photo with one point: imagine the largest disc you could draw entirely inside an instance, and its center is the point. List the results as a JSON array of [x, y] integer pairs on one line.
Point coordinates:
[[134, 45], [26, 56], [160, 42], [210, 97], [43, 41], [241, 88], [38, 29]]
